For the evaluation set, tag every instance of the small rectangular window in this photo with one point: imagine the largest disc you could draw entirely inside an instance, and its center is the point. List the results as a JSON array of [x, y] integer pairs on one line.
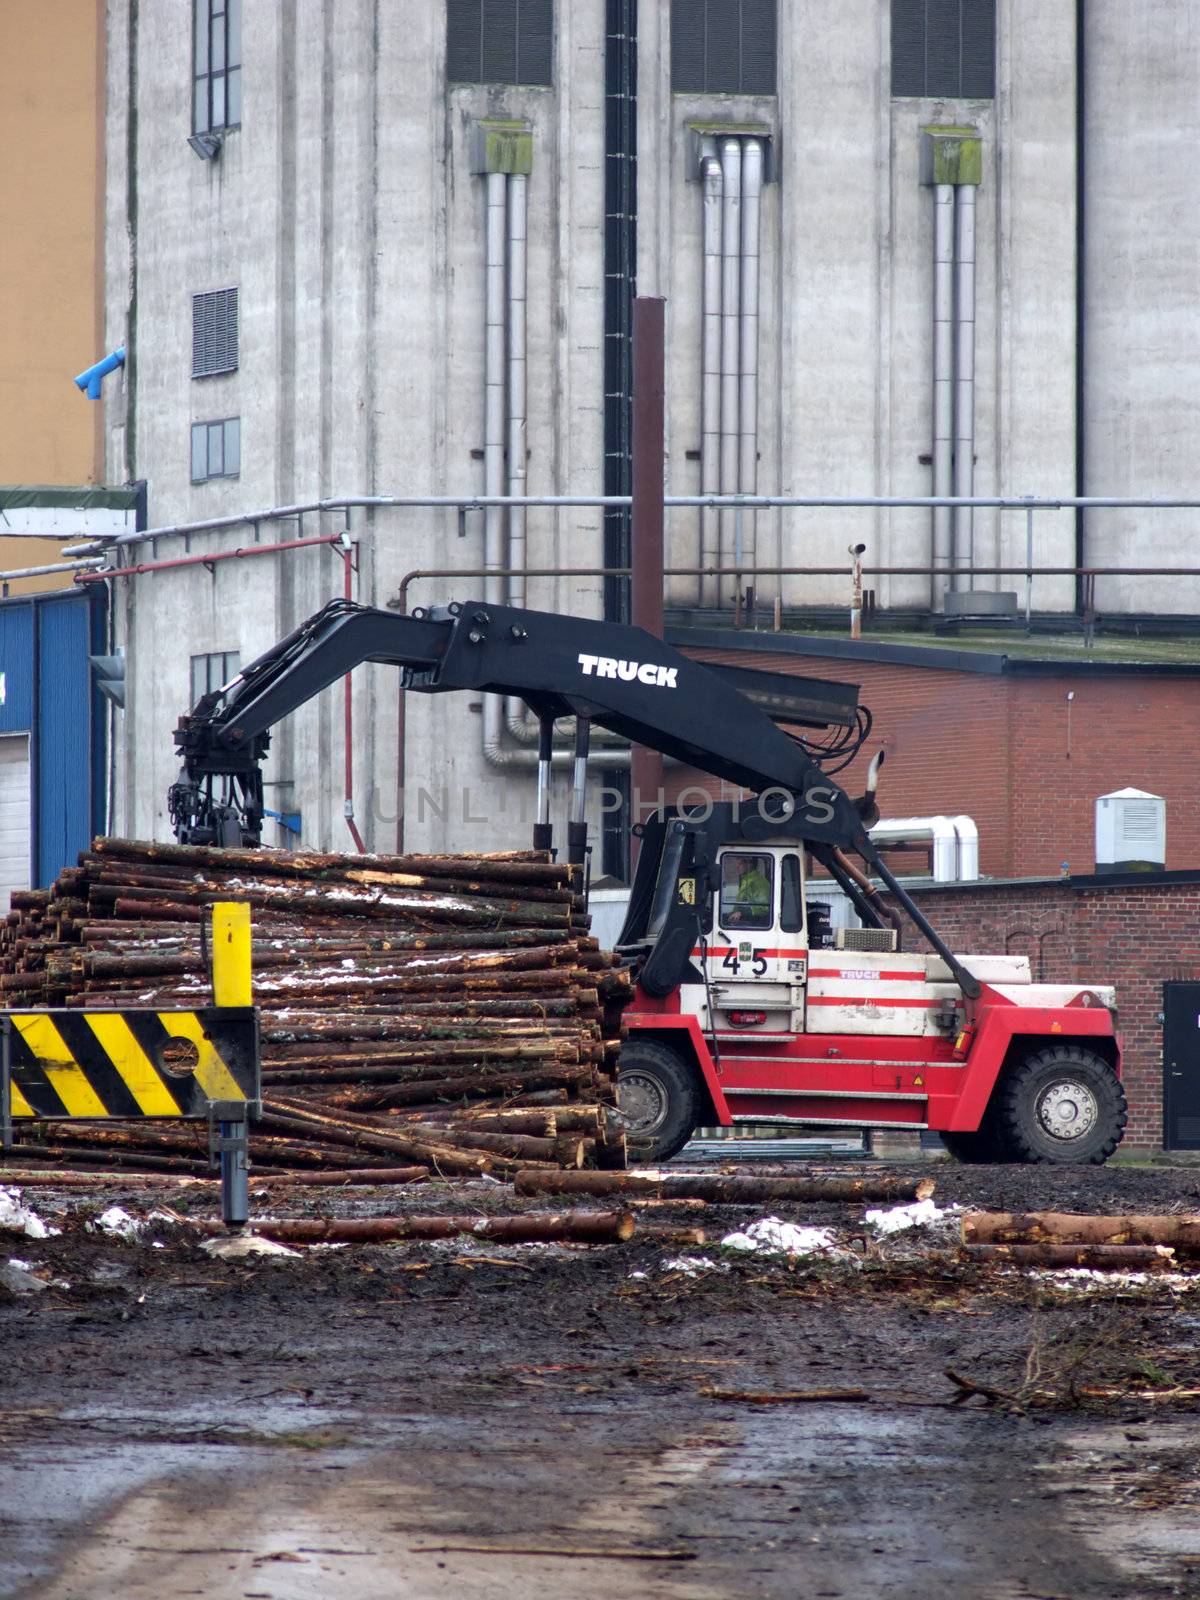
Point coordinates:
[[944, 49], [723, 46], [500, 41], [217, 64], [214, 332], [747, 890], [213, 672], [216, 449], [791, 896]]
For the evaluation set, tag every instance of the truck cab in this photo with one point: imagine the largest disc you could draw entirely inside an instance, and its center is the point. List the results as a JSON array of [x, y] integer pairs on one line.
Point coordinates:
[[753, 1007]]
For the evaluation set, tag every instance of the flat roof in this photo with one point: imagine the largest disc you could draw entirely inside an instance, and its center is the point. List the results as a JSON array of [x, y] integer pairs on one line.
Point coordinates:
[[991, 652]]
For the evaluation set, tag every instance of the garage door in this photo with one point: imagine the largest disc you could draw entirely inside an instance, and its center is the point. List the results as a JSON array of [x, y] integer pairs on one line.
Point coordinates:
[[14, 815]]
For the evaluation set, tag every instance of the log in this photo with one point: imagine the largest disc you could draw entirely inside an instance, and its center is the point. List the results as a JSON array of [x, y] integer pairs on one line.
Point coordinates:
[[331, 1177], [441, 1156], [1100, 1257], [727, 1191], [1181, 1232], [583, 1227]]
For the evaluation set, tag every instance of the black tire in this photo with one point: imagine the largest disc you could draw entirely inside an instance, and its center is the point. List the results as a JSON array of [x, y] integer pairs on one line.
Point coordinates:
[[1063, 1103], [657, 1095], [972, 1149]]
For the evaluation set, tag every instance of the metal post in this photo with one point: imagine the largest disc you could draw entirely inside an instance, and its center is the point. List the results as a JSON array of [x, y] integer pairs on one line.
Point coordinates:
[[647, 597], [1029, 570], [6, 1085], [577, 821], [234, 1145], [856, 590], [543, 832], [232, 985]]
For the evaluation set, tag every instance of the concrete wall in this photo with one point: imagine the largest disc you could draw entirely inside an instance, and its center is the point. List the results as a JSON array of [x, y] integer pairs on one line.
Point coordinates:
[[346, 212], [51, 196]]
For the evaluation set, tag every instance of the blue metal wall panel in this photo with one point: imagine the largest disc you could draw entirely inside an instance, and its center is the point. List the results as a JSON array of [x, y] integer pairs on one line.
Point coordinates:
[[63, 735], [16, 667]]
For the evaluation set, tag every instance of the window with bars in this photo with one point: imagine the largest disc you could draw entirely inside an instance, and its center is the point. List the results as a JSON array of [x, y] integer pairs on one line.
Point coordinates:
[[723, 46], [500, 41], [216, 449], [944, 49], [213, 672], [214, 332], [217, 68]]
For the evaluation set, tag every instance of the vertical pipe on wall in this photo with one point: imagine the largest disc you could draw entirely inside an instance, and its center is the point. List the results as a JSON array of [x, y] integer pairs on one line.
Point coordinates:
[[943, 382], [517, 208], [515, 711], [620, 286], [710, 414], [752, 177], [494, 385], [964, 382], [731, 297]]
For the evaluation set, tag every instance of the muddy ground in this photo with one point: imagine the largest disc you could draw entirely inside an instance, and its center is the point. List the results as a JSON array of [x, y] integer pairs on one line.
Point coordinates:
[[468, 1420]]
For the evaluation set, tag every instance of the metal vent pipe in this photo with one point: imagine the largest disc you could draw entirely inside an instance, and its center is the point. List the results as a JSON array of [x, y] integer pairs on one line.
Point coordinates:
[[943, 377], [964, 383], [708, 589], [494, 385], [752, 178], [731, 296]]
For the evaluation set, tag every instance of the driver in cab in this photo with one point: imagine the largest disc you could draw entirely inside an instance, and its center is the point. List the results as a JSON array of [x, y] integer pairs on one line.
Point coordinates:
[[746, 892]]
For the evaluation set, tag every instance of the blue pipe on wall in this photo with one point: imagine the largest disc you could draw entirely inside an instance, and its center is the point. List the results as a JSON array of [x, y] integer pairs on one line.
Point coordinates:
[[90, 378]]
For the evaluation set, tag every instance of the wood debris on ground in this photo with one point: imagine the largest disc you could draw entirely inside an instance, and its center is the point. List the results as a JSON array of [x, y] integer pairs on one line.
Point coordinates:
[[445, 1014]]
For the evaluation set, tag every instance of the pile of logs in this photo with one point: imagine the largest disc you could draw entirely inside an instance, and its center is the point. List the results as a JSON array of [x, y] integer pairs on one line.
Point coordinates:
[[439, 1013]]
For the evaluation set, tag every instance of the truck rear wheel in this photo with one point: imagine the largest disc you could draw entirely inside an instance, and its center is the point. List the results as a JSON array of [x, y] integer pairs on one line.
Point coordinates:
[[1062, 1103], [973, 1149], [656, 1093]]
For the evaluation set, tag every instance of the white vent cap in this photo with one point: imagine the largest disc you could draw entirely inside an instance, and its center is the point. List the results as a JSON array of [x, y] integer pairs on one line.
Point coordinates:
[[1131, 825]]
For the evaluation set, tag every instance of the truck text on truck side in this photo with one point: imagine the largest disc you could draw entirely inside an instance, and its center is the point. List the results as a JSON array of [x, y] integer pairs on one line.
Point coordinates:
[[749, 1007]]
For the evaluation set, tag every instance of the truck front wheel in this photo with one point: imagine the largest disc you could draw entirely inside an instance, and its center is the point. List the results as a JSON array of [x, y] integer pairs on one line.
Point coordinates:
[[1062, 1103], [656, 1093]]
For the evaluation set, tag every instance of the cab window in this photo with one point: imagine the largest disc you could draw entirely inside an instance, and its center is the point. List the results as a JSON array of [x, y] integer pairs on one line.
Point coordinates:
[[747, 890], [791, 896]]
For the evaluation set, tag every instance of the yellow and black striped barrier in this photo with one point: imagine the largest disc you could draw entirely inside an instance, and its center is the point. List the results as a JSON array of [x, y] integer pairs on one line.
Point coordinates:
[[129, 1064], [133, 1064]]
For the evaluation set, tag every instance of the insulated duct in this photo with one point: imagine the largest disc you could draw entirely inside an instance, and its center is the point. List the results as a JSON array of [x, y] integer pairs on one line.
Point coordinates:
[[951, 164], [732, 168], [943, 380], [731, 294], [710, 407], [964, 383]]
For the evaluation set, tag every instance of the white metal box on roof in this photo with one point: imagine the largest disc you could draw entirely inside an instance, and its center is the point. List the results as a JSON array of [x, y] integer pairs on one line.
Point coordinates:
[[1131, 831]]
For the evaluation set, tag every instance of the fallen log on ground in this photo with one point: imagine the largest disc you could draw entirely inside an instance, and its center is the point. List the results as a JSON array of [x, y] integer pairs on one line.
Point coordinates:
[[1100, 1257], [573, 1227], [1181, 1232], [727, 1191]]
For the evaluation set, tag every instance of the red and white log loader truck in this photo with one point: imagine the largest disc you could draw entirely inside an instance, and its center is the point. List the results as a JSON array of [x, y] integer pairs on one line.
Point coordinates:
[[750, 1007]]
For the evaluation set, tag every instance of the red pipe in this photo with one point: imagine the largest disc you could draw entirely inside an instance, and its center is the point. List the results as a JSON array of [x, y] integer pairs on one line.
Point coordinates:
[[349, 807], [207, 561]]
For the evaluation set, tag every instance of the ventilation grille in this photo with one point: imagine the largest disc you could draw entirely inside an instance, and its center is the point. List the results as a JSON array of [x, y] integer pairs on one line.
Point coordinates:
[[723, 46], [944, 48], [879, 939], [499, 41], [1139, 822], [214, 332]]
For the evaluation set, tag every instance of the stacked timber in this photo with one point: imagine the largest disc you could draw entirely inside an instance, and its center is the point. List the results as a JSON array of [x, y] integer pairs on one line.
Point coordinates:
[[448, 1013]]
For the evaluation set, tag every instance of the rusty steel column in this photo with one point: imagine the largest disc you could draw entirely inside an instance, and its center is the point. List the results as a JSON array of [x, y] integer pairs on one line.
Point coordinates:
[[647, 519]]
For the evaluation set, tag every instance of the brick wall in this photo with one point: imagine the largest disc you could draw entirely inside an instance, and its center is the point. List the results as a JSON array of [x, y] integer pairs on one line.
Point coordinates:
[[998, 748], [1136, 936]]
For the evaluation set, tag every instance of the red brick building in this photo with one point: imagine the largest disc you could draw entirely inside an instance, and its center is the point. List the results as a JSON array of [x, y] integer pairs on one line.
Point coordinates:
[[1026, 746], [1138, 931], [1023, 745]]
